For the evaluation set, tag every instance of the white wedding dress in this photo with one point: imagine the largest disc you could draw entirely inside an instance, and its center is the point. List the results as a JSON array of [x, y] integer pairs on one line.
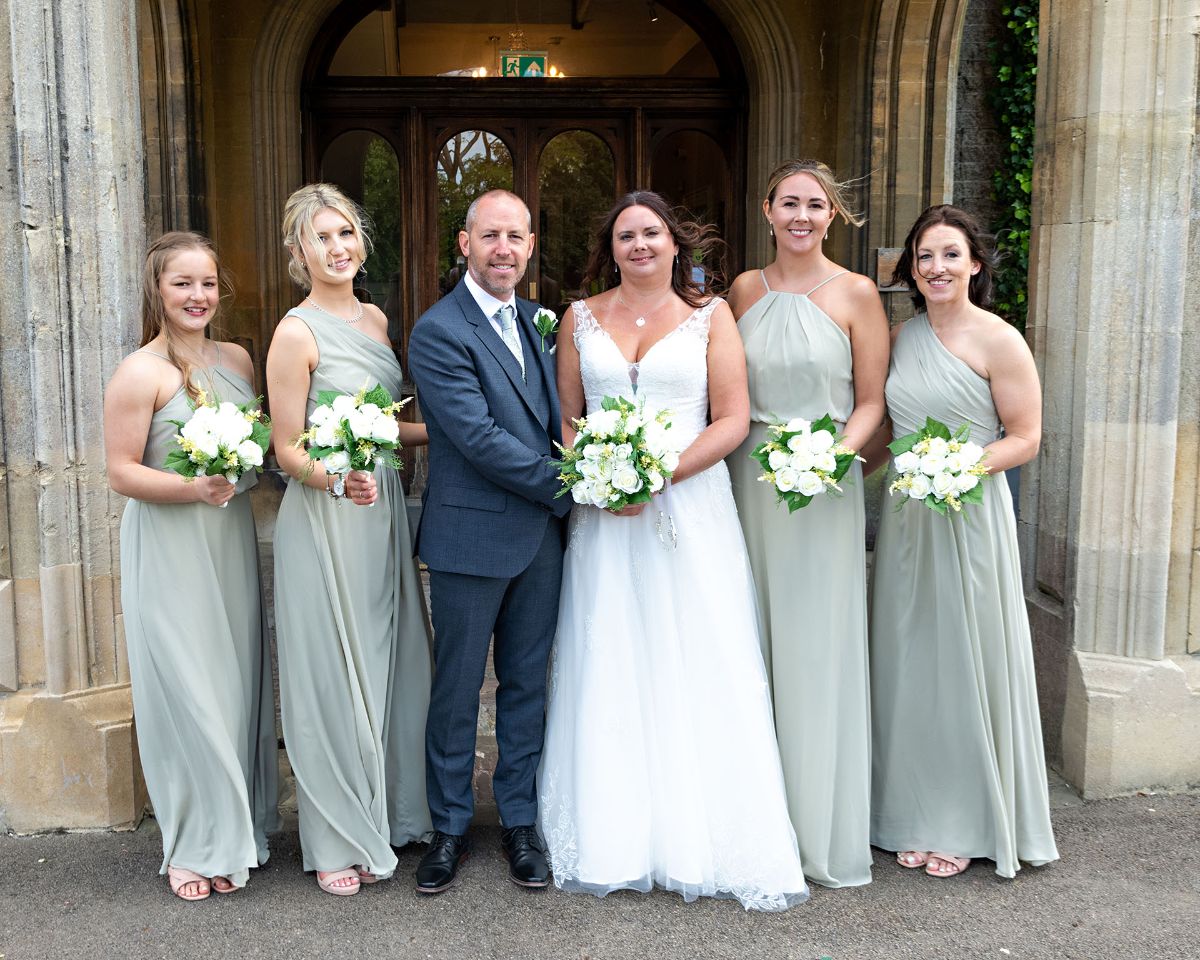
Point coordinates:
[[660, 763]]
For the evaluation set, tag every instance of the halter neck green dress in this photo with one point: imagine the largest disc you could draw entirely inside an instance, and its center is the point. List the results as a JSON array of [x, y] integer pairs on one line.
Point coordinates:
[[809, 571], [353, 642], [957, 763], [199, 665]]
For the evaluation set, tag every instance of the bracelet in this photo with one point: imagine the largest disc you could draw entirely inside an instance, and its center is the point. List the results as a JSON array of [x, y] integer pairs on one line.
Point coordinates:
[[335, 488]]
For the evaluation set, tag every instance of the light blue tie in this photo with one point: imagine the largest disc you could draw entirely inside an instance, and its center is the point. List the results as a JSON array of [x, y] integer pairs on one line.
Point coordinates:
[[508, 333]]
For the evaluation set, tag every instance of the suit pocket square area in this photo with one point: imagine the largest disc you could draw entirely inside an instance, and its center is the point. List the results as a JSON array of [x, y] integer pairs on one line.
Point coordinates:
[[492, 501]]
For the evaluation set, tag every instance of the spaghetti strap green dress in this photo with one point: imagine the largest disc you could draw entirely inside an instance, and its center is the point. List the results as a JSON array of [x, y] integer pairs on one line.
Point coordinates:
[[199, 664], [810, 576], [958, 766], [354, 645]]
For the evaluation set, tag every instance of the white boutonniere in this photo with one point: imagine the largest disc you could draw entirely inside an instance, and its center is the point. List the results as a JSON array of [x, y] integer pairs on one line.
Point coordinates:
[[545, 322]]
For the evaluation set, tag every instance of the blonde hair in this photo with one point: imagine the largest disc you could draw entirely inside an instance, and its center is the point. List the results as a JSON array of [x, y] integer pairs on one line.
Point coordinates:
[[154, 314], [838, 192], [298, 214]]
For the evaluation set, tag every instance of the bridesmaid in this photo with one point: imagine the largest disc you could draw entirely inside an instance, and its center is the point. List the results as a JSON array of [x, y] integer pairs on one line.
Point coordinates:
[[353, 640], [816, 342], [189, 587], [958, 770]]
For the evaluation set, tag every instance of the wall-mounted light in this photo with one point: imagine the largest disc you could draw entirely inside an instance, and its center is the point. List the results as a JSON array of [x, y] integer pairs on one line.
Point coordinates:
[[652, 11]]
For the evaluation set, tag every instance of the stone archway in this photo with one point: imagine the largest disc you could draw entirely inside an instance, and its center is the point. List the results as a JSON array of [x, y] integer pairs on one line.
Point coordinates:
[[758, 27]]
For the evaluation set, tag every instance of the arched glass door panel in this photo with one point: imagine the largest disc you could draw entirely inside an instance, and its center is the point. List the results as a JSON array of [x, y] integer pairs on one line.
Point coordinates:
[[469, 163], [365, 167], [576, 178], [690, 170]]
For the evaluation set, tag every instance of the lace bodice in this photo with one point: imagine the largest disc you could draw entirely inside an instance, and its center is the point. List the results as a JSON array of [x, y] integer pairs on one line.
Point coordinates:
[[673, 375]]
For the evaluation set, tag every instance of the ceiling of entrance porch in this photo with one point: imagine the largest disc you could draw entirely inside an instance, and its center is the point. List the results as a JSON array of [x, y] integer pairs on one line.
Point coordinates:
[[418, 38]]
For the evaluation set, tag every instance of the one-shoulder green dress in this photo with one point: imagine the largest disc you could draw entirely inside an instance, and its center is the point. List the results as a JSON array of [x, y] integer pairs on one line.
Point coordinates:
[[353, 641], [957, 765], [199, 663], [810, 576]]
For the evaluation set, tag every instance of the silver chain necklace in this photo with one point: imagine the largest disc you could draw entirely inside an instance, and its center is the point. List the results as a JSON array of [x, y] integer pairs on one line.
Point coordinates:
[[353, 320]]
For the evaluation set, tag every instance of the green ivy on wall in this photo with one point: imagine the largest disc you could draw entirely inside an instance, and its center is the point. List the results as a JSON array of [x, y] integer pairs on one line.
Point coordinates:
[[1012, 97]]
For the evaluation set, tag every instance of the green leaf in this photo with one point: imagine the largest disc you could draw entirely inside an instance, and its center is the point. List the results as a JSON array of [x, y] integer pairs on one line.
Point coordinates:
[[325, 398], [905, 443], [378, 396], [935, 428]]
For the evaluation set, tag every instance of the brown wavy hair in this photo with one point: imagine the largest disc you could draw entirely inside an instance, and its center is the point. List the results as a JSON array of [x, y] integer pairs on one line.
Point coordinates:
[[695, 241], [980, 243], [154, 314]]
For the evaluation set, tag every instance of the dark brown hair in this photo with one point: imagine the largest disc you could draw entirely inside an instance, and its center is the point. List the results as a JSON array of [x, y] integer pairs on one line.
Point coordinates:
[[980, 243], [692, 238], [154, 314]]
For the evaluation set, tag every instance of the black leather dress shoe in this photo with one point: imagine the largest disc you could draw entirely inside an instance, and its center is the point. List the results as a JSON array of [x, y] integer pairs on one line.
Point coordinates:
[[439, 867], [526, 854]]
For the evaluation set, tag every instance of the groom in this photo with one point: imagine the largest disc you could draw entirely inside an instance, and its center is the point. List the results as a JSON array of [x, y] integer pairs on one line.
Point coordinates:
[[491, 534]]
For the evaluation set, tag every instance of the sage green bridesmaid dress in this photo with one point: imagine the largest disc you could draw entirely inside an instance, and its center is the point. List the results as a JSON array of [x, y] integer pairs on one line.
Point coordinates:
[[809, 571], [199, 664], [958, 765], [353, 642]]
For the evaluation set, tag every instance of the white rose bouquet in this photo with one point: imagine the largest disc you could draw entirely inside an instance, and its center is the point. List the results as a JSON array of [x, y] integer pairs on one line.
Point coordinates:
[[802, 459], [939, 468], [621, 456], [220, 438], [353, 432]]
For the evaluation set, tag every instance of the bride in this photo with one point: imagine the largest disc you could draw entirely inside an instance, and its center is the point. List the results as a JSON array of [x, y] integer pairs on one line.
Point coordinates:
[[660, 763]]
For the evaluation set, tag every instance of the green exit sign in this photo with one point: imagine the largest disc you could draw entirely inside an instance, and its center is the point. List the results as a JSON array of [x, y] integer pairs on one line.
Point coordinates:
[[523, 63]]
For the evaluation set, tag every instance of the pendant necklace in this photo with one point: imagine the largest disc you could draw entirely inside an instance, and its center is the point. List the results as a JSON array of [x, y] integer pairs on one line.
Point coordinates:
[[358, 315], [641, 320]]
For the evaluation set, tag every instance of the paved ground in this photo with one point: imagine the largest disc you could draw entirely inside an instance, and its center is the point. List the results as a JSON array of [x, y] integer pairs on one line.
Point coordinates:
[[1128, 886]]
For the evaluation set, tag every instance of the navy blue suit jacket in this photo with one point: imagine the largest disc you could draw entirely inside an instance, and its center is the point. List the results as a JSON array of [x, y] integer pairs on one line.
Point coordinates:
[[491, 489]]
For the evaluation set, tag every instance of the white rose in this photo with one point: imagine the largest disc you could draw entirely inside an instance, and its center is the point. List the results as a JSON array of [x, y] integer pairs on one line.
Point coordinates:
[[777, 459], [624, 451], [825, 461], [809, 484], [201, 422], [943, 485], [233, 431], [370, 410], [931, 465], [626, 479], [250, 453], [971, 454], [581, 492], [669, 460], [227, 410], [599, 492], [343, 406], [588, 469], [966, 481], [326, 433], [385, 428], [796, 425], [907, 462], [658, 440], [938, 447], [656, 481], [360, 425], [921, 487], [337, 462], [954, 462], [799, 443], [634, 422], [801, 460], [820, 441], [320, 415], [602, 423], [786, 478], [206, 443]]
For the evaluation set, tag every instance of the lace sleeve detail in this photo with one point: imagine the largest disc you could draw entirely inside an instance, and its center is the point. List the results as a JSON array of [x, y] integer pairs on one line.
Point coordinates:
[[585, 321], [700, 320]]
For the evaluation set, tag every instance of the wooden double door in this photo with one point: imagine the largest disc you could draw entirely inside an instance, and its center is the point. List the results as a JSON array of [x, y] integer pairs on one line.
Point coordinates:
[[414, 152]]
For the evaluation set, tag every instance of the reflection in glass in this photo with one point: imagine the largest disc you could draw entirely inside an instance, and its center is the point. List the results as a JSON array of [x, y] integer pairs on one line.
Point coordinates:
[[468, 164], [576, 175], [689, 169]]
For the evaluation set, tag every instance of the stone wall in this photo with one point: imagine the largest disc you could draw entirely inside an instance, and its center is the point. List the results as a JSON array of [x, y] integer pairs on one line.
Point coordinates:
[[979, 143]]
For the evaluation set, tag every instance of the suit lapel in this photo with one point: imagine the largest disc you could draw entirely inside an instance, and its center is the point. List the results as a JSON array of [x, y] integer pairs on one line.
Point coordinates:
[[496, 347]]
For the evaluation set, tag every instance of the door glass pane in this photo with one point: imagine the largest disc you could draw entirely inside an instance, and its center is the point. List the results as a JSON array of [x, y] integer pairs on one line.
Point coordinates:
[[468, 164], [576, 177], [689, 170]]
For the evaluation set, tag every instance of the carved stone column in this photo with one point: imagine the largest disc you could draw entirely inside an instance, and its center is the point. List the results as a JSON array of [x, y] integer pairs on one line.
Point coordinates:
[[73, 210], [1109, 508]]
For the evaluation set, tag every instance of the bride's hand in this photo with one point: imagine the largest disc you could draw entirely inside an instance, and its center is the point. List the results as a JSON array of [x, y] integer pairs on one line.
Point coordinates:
[[630, 511]]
